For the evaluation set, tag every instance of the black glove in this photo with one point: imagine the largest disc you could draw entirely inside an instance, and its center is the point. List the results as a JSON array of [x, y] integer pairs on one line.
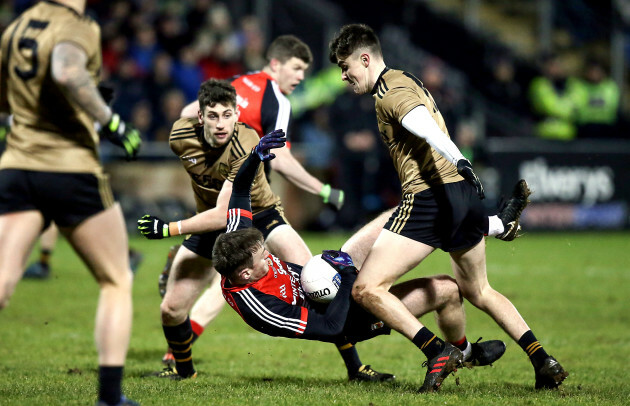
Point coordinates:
[[122, 134], [464, 168], [340, 260], [275, 139], [107, 92], [332, 196], [153, 227]]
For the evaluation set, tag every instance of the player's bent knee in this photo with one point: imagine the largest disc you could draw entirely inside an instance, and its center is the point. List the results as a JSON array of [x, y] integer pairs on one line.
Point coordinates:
[[171, 315], [446, 287], [476, 296]]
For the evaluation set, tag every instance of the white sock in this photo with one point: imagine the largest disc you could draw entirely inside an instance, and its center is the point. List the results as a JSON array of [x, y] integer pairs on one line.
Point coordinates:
[[468, 351], [495, 226]]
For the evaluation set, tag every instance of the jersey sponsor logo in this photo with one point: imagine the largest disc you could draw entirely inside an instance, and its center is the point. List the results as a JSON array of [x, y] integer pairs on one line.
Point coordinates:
[[207, 181], [283, 291], [251, 84], [242, 102]]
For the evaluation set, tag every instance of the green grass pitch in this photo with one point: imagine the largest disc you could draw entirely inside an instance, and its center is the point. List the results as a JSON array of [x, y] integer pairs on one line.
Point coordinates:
[[573, 289]]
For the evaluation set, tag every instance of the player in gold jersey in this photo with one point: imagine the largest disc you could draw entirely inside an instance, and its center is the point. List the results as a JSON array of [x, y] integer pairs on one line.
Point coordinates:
[[441, 208], [212, 147], [50, 171]]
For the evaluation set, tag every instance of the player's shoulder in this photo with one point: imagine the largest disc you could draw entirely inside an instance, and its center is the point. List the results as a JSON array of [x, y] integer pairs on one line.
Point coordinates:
[[59, 14], [392, 80], [184, 131], [184, 124], [396, 86], [245, 138], [253, 81]]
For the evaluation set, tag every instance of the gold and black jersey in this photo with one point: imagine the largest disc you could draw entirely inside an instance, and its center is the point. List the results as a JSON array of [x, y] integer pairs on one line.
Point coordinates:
[[209, 167], [49, 132], [419, 166]]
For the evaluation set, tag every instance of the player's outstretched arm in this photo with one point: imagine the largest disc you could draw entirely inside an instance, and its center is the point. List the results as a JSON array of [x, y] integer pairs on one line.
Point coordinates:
[[68, 67], [214, 219], [420, 123], [291, 169]]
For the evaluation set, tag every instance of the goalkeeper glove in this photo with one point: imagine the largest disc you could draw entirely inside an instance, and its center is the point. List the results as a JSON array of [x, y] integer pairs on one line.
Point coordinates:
[[275, 139], [153, 227], [123, 135], [339, 260], [464, 168], [332, 196]]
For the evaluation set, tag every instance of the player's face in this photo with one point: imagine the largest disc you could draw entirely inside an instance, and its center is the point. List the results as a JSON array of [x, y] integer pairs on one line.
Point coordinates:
[[261, 265], [355, 72], [290, 74], [218, 124]]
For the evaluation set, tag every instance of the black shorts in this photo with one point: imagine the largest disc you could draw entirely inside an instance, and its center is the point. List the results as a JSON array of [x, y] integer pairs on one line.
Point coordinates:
[[65, 198], [450, 217], [265, 221], [362, 325]]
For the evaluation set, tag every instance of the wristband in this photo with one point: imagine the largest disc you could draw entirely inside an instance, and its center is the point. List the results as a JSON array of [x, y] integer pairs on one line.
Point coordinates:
[[171, 228], [325, 192]]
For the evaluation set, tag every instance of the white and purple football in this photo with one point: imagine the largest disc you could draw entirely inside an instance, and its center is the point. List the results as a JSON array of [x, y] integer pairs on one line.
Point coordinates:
[[320, 280]]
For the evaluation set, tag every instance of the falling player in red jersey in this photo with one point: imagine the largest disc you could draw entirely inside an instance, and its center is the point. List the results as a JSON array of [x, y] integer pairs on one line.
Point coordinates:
[[266, 292]]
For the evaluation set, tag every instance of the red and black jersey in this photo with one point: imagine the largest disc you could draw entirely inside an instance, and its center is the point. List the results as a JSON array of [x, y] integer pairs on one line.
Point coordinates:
[[261, 104], [275, 304]]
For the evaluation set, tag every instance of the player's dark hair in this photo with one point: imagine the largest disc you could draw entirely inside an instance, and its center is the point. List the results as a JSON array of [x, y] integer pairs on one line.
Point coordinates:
[[234, 251], [214, 92], [286, 47], [352, 37]]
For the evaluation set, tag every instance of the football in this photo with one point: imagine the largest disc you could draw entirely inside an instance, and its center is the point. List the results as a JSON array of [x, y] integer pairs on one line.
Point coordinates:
[[320, 280]]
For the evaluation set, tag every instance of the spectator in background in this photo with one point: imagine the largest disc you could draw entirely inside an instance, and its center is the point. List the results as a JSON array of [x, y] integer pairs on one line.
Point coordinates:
[[598, 102], [361, 160], [253, 43], [113, 52], [467, 140], [130, 88], [554, 100], [187, 74], [507, 111], [144, 48], [451, 101], [218, 45], [197, 14], [141, 117], [118, 21], [170, 104], [502, 87], [172, 35]]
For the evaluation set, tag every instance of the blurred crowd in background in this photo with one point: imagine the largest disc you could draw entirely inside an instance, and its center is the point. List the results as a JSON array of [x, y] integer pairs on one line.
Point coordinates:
[[157, 52]]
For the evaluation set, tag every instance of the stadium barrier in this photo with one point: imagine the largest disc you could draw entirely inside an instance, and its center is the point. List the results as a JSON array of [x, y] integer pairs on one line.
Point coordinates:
[[577, 185]]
